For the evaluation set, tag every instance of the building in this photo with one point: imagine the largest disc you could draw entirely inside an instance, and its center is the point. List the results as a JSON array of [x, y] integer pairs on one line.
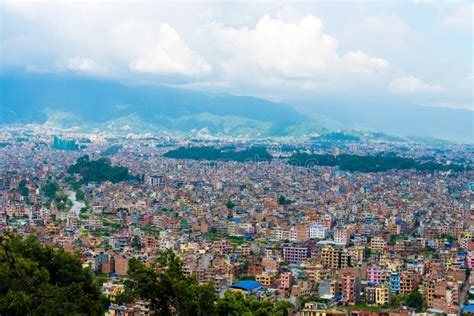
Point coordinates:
[[295, 254], [394, 282], [329, 288], [315, 271], [408, 282], [341, 236], [335, 257], [246, 286], [377, 244], [318, 231], [350, 286], [156, 181], [382, 294], [265, 279], [370, 295], [442, 295], [313, 309], [285, 281], [377, 275]]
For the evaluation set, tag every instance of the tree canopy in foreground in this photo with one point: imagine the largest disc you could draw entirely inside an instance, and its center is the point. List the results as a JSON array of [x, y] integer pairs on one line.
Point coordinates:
[[171, 292], [41, 280]]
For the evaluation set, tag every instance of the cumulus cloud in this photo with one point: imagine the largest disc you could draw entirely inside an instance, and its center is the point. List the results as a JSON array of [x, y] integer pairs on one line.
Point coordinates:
[[171, 55], [412, 84], [294, 51]]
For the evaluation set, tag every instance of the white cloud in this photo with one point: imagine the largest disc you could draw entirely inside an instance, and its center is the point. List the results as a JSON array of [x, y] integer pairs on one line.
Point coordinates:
[[461, 17], [412, 84], [85, 65], [359, 62], [171, 56], [281, 50]]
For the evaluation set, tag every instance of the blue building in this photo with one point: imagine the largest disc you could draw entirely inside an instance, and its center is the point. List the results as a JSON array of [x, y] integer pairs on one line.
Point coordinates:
[[394, 282], [247, 286]]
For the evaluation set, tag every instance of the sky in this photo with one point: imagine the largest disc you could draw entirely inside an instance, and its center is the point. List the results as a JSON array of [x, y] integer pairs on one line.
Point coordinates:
[[414, 51]]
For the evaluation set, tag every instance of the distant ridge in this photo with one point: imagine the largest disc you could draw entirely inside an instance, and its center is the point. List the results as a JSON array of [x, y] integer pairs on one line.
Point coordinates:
[[91, 104], [97, 103]]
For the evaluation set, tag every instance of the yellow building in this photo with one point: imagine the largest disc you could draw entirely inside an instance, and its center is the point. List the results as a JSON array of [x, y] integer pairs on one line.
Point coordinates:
[[382, 294], [265, 279], [335, 257]]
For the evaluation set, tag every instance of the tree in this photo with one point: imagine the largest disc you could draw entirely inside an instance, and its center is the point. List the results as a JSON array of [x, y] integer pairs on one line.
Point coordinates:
[[415, 300], [136, 243], [80, 195], [168, 289], [236, 304], [367, 252], [40, 280], [50, 189], [171, 292], [230, 205]]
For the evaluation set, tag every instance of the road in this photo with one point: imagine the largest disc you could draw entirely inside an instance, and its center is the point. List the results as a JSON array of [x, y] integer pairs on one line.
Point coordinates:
[[76, 205]]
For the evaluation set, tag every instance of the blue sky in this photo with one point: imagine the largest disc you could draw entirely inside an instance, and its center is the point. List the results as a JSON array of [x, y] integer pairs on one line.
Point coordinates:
[[416, 51]]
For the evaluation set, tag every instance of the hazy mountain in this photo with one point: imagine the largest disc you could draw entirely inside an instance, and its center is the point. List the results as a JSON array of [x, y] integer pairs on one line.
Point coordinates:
[[88, 104], [394, 117], [106, 104]]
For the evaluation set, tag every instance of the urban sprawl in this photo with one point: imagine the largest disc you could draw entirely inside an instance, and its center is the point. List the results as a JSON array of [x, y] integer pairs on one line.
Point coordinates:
[[327, 240]]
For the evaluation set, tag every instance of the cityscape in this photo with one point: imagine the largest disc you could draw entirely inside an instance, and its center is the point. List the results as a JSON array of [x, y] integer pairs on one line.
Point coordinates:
[[170, 183]]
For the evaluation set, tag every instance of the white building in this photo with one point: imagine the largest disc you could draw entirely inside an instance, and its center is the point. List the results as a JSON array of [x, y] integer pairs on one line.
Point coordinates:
[[317, 231]]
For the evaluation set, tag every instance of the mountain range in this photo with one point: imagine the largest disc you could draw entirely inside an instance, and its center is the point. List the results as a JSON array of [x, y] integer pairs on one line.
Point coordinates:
[[91, 104]]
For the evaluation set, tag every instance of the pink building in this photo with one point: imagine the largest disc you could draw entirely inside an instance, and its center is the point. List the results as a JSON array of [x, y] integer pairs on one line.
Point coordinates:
[[351, 287], [376, 275], [470, 259], [285, 282]]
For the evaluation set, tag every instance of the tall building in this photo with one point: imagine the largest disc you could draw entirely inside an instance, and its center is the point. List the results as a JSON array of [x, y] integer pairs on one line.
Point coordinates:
[[395, 283], [335, 257], [341, 236], [285, 281], [156, 181], [317, 231], [377, 275], [382, 294], [295, 254], [351, 286], [442, 295], [408, 282]]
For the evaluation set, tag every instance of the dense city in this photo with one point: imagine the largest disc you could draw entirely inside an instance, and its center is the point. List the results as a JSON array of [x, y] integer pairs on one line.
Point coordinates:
[[320, 238]]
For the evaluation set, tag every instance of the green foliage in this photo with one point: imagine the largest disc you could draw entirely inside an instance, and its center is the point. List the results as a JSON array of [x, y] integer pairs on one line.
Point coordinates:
[[80, 195], [253, 154], [246, 277], [23, 189], [40, 280], [63, 203], [394, 238], [416, 300], [171, 292], [236, 304], [368, 163], [99, 170], [50, 189], [136, 243], [282, 200], [230, 205], [367, 252], [168, 289]]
